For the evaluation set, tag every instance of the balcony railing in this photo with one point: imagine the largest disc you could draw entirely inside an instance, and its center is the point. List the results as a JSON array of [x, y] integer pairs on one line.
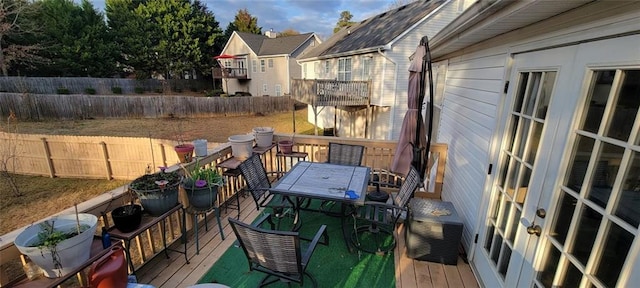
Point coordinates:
[[319, 92], [236, 73], [378, 155]]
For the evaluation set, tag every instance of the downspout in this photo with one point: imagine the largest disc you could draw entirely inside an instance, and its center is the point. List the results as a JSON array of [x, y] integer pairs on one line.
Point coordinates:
[[395, 83], [289, 75]]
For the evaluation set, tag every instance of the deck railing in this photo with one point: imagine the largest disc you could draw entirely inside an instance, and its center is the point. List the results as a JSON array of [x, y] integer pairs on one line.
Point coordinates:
[[237, 73], [320, 92], [378, 155]]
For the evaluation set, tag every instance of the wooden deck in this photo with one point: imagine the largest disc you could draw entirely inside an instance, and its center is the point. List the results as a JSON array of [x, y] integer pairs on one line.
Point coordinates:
[[175, 272]]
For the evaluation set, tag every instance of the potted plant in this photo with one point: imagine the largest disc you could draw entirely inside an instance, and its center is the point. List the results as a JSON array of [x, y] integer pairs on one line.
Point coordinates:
[[158, 192], [201, 185], [60, 244], [184, 150], [128, 217]]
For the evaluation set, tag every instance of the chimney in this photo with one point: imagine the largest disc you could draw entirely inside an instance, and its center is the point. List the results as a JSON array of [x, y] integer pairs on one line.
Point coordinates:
[[270, 33]]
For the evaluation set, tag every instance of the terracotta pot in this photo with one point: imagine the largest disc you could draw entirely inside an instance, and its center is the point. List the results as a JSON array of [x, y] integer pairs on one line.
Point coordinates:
[[285, 146], [185, 152]]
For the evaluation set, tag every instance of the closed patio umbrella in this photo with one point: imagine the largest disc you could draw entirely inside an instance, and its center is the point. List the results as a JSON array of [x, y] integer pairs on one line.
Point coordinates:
[[413, 146]]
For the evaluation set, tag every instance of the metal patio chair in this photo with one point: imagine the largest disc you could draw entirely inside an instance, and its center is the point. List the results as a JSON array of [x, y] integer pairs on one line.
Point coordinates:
[[341, 154], [381, 218], [276, 253]]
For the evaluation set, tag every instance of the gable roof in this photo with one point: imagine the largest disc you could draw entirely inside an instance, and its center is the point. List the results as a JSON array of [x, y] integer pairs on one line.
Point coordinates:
[[376, 31], [264, 46]]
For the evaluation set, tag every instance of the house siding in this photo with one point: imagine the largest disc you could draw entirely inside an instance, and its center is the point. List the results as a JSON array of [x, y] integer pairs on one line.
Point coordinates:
[[473, 107]]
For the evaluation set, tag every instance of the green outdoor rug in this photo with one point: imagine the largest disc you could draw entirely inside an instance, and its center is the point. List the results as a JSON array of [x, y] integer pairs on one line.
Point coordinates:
[[332, 265]]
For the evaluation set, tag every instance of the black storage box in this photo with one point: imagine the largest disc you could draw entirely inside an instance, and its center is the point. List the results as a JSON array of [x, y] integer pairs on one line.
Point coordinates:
[[433, 231]]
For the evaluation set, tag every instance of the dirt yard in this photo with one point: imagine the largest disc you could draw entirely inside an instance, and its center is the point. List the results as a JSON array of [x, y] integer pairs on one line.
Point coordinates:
[[214, 129]]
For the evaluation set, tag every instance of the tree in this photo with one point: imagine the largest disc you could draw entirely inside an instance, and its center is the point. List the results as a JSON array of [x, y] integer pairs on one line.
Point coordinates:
[[244, 22], [288, 32], [344, 21], [77, 39], [17, 27]]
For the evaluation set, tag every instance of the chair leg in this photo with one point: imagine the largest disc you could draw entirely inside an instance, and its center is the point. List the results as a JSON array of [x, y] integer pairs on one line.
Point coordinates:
[[219, 224], [195, 224]]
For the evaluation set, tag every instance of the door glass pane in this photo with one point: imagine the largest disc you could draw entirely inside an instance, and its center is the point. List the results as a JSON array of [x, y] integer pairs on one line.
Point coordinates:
[[545, 94], [512, 133], [578, 168], [532, 94], [604, 173], [495, 250], [497, 206], [597, 100], [503, 171], [504, 260], [487, 244], [587, 230], [521, 138], [522, 87], [627, 206], [617, 244], [511, 181], [505, 216], [524, 185], [564, 214], [626, 106], [573, 276], [552, 256], [534, 141], [514, 224]]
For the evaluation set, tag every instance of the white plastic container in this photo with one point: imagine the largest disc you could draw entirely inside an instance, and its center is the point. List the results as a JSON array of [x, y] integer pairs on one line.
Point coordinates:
[[72, 252], [200, 147], [241, 146], [264, 136]]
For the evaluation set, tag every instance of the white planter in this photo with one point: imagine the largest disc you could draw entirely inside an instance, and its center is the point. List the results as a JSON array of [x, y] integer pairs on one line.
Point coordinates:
[[241, 146], [200, 147], [72, 252], [264, 136]]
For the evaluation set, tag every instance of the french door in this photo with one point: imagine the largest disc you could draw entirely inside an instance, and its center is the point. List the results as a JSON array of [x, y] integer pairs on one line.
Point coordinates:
[[565, 202]]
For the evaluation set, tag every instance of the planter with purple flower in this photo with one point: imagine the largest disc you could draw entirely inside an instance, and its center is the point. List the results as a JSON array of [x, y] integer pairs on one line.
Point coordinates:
[[158, 192], [201, 186]]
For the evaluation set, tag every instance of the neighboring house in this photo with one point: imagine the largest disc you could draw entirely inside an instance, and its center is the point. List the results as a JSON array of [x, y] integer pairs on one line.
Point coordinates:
[[262, 64], [376, 50], [541, 115]]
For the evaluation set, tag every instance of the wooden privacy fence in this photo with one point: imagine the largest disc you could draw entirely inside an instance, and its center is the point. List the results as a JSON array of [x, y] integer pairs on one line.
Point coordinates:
[[77, 85], [52, 106], [84, 156]]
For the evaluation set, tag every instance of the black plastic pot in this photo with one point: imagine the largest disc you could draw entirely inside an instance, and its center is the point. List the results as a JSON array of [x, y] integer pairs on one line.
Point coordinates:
[[127, 218]]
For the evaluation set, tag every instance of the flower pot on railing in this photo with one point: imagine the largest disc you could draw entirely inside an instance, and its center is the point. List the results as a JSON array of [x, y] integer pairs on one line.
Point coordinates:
[[55, 244], [264, 136], [158, 192], [185, 152], [127, 218], [285, 146]]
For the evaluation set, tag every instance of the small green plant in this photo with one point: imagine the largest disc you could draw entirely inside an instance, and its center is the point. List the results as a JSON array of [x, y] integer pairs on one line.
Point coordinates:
[[138, 90], [158, 180], [201, 176], [62, 91], [49, 238], [90, 91], [116, 90]]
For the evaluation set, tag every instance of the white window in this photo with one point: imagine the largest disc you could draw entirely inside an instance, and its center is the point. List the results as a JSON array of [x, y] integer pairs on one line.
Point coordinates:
[[367, 62], [327, 67], [270, 63], [254, 66], [278, 88], [439, 77], [262, 68], [344, 69], [316, 69], [227, 63], [265, 89]]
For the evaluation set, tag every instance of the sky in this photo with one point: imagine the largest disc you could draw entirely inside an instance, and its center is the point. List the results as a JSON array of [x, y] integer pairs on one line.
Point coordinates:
[[304, 16]]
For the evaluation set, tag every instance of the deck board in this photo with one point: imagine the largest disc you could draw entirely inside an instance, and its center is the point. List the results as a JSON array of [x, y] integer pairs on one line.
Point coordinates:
[[174, 272]]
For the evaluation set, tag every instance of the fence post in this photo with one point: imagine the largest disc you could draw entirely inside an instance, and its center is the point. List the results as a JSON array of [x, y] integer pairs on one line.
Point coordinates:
[[47, 155], [163, 154], [105, 155]]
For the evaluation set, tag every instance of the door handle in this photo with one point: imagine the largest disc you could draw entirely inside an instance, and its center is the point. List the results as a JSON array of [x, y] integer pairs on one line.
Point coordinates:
[[534, 229]]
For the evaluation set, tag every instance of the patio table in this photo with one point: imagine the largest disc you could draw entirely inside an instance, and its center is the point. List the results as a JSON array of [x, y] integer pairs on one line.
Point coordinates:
[[324, 181]]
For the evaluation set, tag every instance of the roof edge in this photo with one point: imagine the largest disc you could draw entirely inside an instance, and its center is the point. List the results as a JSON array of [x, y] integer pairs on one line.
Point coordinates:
[[404, 33]]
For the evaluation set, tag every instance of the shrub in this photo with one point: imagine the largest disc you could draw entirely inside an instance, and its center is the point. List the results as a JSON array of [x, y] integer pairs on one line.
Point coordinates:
[[138, 90], [158, 90], [90, 91], [63, 90], [116, 90], [193, 89], [177, 89]]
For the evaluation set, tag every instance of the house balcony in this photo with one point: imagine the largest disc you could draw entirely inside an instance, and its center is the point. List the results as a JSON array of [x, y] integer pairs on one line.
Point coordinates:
[[318, 92], [174, 271], [234, 73]]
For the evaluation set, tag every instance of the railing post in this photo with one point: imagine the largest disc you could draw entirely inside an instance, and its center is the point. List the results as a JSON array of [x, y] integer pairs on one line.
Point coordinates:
[[105, 156], [47, 155]]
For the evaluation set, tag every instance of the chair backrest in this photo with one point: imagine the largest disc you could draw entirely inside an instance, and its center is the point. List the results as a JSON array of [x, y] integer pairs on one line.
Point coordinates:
[[345, 154], [408, 188], [277, 251], [255, 176]]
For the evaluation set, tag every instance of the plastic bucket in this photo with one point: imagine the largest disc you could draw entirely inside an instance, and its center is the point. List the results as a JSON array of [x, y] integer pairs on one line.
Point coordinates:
[[241, 146], [200, 147], [264, 136]]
